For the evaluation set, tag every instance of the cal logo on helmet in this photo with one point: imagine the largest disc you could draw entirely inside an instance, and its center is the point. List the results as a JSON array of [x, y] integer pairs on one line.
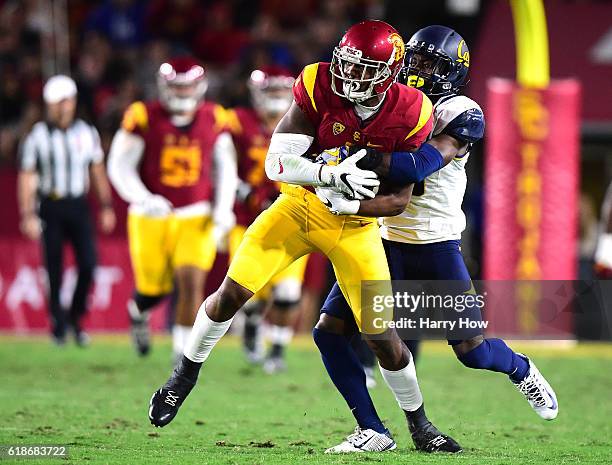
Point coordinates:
[[463, 57]]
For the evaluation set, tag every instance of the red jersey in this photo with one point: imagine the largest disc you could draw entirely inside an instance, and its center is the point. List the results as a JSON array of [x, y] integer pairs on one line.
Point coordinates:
[[402, 123], [251, 140], [177, 161]]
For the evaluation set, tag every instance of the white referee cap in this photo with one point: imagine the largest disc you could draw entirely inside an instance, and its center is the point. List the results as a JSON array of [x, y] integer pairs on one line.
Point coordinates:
[[58, 88]]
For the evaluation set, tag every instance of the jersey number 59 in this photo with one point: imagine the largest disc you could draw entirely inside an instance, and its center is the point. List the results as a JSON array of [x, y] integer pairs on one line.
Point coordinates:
[[180, 165]]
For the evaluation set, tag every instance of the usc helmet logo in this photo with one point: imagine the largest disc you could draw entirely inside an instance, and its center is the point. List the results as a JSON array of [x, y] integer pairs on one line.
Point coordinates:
[[398, 46], [464, 57]]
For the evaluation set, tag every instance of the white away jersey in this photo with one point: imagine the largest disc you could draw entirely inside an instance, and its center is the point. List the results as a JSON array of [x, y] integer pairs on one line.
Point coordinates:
[[434, 213]]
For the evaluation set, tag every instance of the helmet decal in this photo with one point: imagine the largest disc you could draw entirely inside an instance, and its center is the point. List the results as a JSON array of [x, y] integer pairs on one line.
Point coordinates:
[[398, 47], [463, 57]]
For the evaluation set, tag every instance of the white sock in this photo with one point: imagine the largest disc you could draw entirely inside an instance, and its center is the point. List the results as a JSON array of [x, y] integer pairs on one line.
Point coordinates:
[[204, 335], [135, 312], [405, 386], [180, 334], [281, 335]]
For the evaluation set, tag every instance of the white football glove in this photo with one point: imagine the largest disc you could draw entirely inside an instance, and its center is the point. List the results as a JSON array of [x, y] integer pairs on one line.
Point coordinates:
[[223, 224], [346, 177], [336, 202], [156, 206]]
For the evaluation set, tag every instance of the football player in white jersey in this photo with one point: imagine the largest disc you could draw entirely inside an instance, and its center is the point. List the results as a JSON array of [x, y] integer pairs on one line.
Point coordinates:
[[423, 242]]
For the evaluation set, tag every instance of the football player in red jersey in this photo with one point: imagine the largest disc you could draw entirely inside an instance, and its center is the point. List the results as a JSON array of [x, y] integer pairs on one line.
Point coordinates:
[[161, 162], [251, 129], [354, 100]]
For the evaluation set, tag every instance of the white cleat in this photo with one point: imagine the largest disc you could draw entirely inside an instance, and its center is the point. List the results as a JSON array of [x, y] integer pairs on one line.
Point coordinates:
[[363, 440], [538, 393], [274, 365], [254, 357]]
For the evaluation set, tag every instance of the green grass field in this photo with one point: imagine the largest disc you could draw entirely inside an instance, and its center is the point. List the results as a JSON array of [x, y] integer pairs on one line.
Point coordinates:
[[95, 402]]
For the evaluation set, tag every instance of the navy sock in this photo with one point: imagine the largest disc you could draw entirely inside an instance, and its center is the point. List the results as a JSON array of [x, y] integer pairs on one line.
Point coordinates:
[[347, 374], [495, 355]]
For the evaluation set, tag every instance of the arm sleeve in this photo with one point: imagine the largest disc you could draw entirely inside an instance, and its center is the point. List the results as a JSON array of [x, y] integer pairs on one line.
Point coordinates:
[[29, 154], [406, 167], [304, 93], [123, 160], [226, 179], [285, 163]]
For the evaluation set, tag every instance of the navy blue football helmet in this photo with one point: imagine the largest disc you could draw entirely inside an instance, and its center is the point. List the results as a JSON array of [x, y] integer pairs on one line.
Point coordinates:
[[437, 61]]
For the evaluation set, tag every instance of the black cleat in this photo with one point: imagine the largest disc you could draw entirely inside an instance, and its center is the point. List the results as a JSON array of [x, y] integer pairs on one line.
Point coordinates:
[[428, 439], [165, 402]]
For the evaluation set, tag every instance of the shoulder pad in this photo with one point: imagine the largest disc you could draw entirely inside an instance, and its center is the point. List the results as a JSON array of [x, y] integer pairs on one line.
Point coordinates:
[[136, 118], [467, 127]]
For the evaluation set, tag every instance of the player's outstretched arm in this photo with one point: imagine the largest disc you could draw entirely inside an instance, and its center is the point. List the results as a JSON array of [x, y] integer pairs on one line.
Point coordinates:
[[413, 167], [285, 161]]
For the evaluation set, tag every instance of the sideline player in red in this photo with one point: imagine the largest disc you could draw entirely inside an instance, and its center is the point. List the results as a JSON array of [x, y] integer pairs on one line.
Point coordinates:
[[174, 165], [251, 129], [353, 100]]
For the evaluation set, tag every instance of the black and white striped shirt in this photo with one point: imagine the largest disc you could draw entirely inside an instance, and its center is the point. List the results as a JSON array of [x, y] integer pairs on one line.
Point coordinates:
[[62, 157]]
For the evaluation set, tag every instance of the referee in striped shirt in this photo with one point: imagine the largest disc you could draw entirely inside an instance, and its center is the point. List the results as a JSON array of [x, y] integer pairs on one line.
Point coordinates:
[[60, 156]]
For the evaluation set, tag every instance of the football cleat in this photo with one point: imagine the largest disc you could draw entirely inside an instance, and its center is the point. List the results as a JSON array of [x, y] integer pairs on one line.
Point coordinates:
[[139, 329], [364, 440], [59, 341], [538, 392], [429, 439], [81, 338], [165, 402], [273, 365], [254, 357]]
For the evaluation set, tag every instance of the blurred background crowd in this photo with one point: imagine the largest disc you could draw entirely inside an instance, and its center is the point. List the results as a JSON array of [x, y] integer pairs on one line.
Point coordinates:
[[114, 47]]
